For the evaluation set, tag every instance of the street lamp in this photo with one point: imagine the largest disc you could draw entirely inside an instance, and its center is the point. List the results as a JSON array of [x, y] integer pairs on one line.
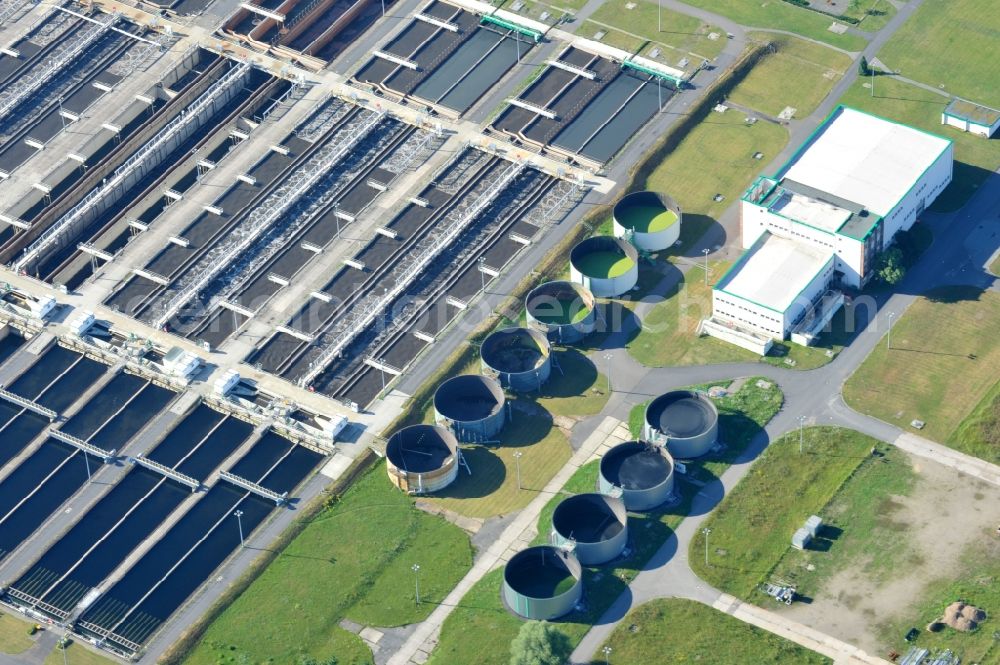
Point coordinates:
[[609, 357], [888, 334], [86, 460], [416, 582], [517, 465], [706, 252], [239, 523], [802, 421], [607, 655], [706, 531], [482, 273]]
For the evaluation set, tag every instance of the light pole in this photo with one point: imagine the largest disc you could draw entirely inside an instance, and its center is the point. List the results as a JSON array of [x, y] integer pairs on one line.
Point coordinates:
[[888, 334], [706, 252], [706, 531], [381, 370], [239, 523], [86, 460], [416, 582], [517, 465], [482, 273], [802, 422], [609, 357], [607, 655]]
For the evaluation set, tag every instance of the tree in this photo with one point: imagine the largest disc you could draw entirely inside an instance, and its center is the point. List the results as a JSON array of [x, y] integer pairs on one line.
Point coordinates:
[[309, 660], [863, 67], [539, 643], [890, 268]]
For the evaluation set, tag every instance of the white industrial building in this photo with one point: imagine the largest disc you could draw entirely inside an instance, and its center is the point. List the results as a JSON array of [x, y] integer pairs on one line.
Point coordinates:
[[972, 118], [820, 223]]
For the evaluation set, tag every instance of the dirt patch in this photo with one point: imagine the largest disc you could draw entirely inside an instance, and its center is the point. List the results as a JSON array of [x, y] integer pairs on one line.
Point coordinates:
[[944, 514]]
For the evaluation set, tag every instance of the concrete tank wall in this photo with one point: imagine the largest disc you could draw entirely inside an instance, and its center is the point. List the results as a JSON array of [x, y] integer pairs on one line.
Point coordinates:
[[652, 240], [524, 572], [643, 473], [472, 407], [697, 429], [596, 523], [604, 286], [553, 308], [430, 470], [519, 358]]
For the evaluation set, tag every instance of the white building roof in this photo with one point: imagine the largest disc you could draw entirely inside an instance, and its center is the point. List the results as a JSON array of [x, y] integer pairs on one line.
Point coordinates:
[[774, 271], [818, 214], [865, 159]]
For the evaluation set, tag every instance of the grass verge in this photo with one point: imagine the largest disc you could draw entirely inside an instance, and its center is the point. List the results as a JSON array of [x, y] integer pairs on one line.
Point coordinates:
[[676, 630], [942, 364], [350, 561], [76, 655], [782, 489]]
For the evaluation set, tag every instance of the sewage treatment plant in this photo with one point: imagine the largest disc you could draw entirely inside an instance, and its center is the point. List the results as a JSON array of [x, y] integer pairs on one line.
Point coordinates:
[[230, 229]]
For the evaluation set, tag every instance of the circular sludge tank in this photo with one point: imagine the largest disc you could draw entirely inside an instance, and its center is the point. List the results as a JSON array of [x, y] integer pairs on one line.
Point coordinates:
[[642, 472], [564, 311], [542, 583], [652, 221], [519, 358], [422, 458], [607, 266], [596, 523], [684, 421], [470, 406]]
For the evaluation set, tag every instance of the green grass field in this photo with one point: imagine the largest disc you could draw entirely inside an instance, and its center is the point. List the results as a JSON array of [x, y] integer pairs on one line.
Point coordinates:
[[863, 512], [779, 15], [683, 35], [943, 362], [995, 266], [492, 487], [604, 265], [575, 388], [647, 219], [14, 634], [951, 43], [980, 430], [798, 74], [896, 100], [720, 150], [676, 630], [481, 613], [351, 561], [781, 490]]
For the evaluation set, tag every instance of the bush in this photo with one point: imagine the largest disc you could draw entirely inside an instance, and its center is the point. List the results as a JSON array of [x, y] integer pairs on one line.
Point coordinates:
[[863, 68], [539, 643], [890, 268]]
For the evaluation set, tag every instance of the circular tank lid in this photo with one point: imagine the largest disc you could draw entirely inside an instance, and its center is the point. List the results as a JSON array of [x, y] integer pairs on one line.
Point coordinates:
[[646, 212], [604, 257], [468, 398], [590, 518], [515, 350], [559, 303], [635, 465], [421, 448], [681, 414], [542, 572]]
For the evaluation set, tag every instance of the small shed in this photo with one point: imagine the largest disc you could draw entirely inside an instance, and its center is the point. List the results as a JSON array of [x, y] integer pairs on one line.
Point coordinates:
[[972, 118], [814, 524], [801, 539]]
